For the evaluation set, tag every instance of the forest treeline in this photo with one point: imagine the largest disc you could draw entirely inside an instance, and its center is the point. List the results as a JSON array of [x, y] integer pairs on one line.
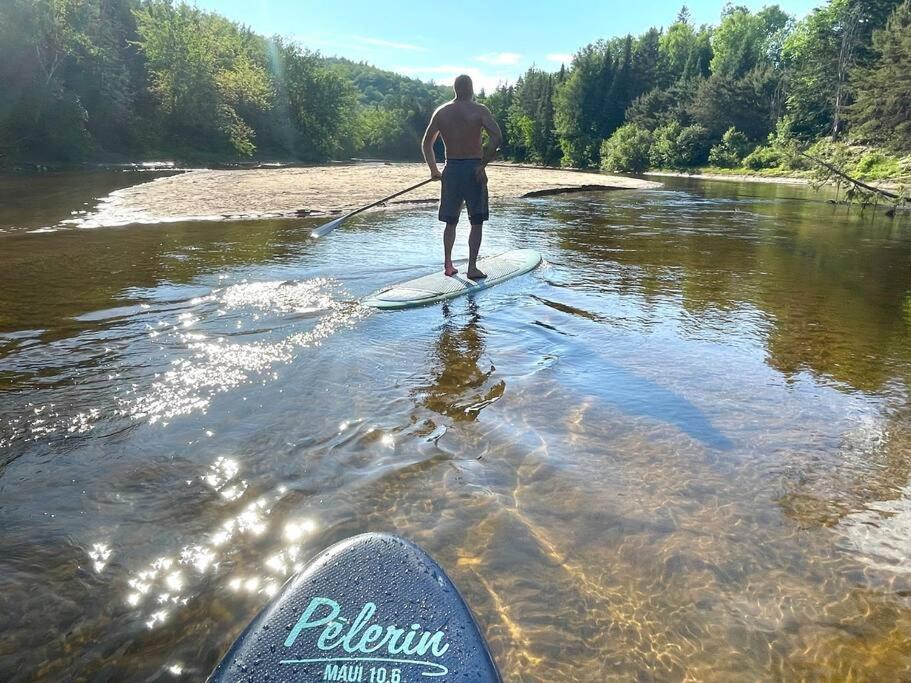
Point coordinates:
[[83, 79], [749, 92]]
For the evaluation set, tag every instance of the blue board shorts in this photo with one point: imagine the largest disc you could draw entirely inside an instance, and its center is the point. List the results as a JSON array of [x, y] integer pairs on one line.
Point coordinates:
[[460, 186]]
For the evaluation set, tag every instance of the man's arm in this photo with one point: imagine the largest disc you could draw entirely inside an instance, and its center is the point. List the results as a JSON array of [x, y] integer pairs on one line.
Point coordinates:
[[430, 136], [495, 136]]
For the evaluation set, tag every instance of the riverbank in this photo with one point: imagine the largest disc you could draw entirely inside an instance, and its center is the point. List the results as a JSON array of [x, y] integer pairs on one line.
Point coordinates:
[[320, 190], [771, 176]]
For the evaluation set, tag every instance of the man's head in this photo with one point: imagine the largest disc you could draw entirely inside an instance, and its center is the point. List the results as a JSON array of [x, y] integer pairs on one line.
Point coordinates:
[[464, 90]]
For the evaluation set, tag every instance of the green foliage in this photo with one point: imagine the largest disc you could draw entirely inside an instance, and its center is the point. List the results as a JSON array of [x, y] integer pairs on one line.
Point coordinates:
[[394, 110], [86, 77], [580, 103], [883, 90], [59, 61], [686, 52], [819, 56], [647, 63], [320, 116], [590, 104], [744, 40], [733, 147], [627, 150], [528, 119], [780, 152], [692, 146], [663, 152], [82, 78], [860, 161], [663, 105], [378, 87], [876, 164], [748, 104], [762, 158], [205, 73]]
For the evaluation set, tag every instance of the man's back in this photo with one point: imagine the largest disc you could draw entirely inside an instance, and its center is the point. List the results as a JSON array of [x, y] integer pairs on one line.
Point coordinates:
[[460, 123]]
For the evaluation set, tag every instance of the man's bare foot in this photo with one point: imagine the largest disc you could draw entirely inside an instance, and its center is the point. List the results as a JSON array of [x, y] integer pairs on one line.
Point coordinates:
[[450, 270], [476, 274]]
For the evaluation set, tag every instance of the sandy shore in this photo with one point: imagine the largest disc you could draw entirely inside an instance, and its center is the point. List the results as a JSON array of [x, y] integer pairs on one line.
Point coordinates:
[[322, 190]]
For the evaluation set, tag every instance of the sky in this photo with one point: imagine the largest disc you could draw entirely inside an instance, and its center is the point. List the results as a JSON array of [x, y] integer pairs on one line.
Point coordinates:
[[493, 41]]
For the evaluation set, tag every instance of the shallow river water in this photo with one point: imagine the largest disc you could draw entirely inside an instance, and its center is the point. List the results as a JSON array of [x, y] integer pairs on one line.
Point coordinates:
[[679, 450]]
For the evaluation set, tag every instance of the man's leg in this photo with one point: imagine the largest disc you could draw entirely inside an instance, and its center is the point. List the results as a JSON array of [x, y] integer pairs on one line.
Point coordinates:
[[474, 246], [448, 240], [478, 212]]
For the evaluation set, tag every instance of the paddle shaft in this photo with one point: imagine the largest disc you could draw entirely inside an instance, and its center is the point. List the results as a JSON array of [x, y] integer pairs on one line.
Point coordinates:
[[338, 221]]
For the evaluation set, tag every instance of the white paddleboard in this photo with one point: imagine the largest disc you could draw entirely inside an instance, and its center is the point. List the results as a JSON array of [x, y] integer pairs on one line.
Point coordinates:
[[438, 287]]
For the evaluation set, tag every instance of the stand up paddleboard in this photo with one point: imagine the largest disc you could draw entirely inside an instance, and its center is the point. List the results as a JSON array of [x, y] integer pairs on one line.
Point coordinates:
[[372, 609], [438, 287]]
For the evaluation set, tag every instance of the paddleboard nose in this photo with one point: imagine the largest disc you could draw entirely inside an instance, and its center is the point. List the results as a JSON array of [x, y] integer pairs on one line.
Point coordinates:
[[374, 609]]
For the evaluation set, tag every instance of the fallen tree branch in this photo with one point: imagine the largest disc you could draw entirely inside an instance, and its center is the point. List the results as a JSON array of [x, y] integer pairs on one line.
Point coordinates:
[[869, 188]]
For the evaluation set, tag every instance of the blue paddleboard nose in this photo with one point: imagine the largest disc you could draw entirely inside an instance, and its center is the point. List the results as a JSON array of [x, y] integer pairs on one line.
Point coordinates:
[[374, 608]]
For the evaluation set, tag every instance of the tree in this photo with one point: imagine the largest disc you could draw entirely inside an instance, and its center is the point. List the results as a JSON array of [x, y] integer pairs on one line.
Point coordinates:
[[676, 47], [743, 40], [819, 56], [676, 147], [579, 104], [322, 106], [733, 147], [647, 63], [627, 150], [500, 103], [663, 105], [203, 72], [882, 110], [66, 74], [749, 103], [621, 90]]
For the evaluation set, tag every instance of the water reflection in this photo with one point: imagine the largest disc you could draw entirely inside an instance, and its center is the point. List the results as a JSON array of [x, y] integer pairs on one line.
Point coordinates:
[[463, 381]]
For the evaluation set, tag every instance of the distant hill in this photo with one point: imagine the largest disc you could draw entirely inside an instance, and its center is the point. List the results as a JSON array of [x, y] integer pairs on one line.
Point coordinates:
[[378, 87]]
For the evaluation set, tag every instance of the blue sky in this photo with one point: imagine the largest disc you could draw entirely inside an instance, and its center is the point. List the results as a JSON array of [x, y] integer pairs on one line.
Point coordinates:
[[491, 40]]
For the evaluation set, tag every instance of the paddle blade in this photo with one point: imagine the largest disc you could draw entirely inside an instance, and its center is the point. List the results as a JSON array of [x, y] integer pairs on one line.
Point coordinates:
[[326, 228]]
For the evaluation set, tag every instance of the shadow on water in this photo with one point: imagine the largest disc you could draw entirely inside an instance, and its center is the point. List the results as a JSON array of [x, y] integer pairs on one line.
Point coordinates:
[[631, 393]]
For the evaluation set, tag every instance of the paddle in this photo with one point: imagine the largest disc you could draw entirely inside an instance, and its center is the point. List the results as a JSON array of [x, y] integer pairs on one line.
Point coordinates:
[[326, 228]]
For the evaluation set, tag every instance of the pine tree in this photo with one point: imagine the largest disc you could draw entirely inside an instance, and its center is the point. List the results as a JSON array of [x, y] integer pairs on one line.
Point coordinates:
[[618, 97], [647, 64], [882, 108]]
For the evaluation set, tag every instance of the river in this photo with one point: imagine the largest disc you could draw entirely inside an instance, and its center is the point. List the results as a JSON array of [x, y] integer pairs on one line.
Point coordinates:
[[678, 450]]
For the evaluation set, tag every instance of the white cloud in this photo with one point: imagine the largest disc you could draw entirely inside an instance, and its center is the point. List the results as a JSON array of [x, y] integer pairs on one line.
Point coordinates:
[[559, 57], [445, 75], [379, 42], [500, 58]]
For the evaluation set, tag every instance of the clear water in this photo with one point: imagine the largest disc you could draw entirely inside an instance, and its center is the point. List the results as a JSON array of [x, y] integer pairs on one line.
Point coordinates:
[[678, 450]]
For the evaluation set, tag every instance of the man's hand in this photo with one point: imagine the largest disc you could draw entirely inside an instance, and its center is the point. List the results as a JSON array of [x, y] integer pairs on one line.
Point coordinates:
[[435, 174], [480, 173]]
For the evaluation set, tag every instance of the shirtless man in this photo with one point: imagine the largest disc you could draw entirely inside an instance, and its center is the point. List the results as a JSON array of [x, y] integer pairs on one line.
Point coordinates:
[[464, 179]]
